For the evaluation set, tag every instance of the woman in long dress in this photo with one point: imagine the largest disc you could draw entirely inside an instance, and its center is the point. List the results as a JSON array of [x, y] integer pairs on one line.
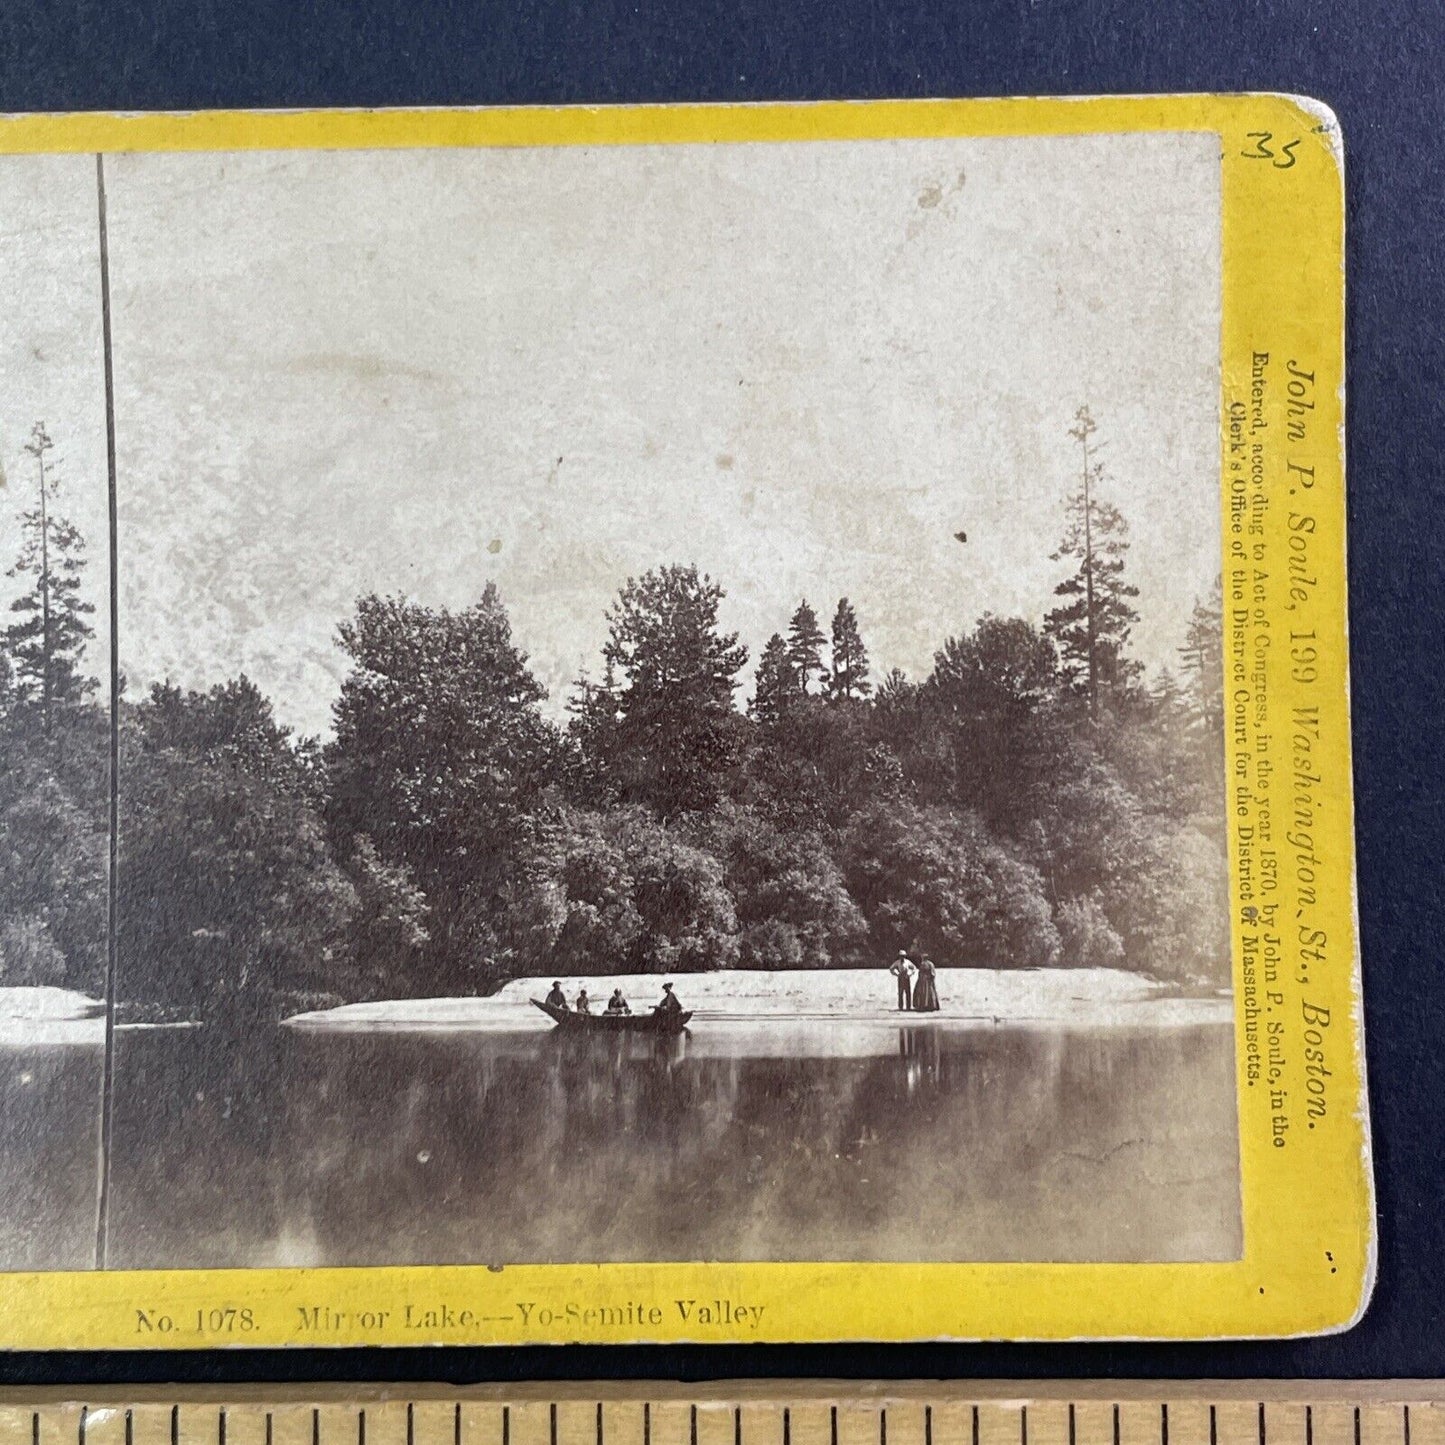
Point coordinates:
[[925, 988]]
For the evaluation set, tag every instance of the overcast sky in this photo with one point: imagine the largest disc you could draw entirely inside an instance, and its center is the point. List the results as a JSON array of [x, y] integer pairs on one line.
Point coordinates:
[[803, 367], [50, 359]]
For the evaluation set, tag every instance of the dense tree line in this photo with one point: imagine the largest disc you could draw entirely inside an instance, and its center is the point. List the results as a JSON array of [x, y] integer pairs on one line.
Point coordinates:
[[1030, 802], [54, 746]]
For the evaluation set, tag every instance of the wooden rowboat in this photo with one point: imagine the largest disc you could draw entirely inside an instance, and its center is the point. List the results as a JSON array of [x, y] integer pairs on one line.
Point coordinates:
[[605, 1023]]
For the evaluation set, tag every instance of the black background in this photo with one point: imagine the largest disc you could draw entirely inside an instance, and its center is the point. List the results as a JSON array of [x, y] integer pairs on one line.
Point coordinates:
[[1377, 64]]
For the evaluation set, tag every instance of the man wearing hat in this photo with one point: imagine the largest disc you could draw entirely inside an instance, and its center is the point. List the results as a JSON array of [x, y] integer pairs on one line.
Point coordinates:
[[669, 1004], [902, 970], [557, 999]]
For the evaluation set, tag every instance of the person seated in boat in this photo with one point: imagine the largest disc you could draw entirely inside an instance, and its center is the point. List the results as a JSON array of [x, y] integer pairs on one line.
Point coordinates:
[[617, 1004], [583, 1004], [557, 999], [669, 1004]]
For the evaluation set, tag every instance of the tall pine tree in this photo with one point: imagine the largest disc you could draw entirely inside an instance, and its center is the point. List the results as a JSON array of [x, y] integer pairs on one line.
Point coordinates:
[[1203, 656], [805, 646], [591, 731], [1092, 626], [849, 678], [676, 738], [776, 685], [46, 642]]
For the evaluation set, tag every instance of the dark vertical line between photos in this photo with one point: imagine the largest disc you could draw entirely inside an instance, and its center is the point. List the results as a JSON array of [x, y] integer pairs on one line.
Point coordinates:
[[107, 1080]]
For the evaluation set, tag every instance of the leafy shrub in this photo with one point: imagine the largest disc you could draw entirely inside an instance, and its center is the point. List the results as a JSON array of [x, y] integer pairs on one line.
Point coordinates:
[[1086, 937], [932, 880]]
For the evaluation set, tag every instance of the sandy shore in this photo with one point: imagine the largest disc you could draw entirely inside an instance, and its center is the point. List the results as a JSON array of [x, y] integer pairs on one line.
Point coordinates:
[[42, 1015], [50, 1016], [1092, 996], [1087, 995]]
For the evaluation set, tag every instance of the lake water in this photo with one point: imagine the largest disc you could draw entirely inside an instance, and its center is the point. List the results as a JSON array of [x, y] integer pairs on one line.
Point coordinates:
[[805, 1140]]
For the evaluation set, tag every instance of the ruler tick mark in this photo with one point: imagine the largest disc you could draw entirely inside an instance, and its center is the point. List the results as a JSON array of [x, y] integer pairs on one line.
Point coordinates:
[[113, 1421]]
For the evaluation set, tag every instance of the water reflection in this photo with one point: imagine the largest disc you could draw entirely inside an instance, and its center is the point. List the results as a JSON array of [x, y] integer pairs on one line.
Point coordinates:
[[923, 1051], [742, 1141], [49, 1155]]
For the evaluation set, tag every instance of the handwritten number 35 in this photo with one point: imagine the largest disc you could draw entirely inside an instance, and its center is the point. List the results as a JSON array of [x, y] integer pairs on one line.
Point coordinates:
[[1281, 159]]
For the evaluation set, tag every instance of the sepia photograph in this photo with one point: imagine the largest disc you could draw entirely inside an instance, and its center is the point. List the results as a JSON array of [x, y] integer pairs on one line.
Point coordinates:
[[666, 705]]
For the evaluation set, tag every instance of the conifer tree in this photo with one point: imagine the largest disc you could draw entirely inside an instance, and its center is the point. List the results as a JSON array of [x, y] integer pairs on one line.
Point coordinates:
[[1092, 626], [776, 684], [593, 711], [676, 737], [805, 646], [895, 687], [47, 640], [593, 716], [1166, 696], [1203, 656], [849, 678]]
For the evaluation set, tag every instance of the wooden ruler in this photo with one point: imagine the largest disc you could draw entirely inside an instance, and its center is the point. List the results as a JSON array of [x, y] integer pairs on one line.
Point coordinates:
[[751, 1413]]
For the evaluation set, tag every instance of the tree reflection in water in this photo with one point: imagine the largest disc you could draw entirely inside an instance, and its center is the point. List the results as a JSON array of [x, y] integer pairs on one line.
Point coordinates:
[[252, 1145]]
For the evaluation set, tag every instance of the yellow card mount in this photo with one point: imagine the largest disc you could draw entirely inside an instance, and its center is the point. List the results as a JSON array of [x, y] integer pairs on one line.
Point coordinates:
[[700, 724]]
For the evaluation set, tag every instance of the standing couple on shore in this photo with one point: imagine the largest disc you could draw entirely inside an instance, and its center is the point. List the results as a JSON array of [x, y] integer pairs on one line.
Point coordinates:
[[919, 995]]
